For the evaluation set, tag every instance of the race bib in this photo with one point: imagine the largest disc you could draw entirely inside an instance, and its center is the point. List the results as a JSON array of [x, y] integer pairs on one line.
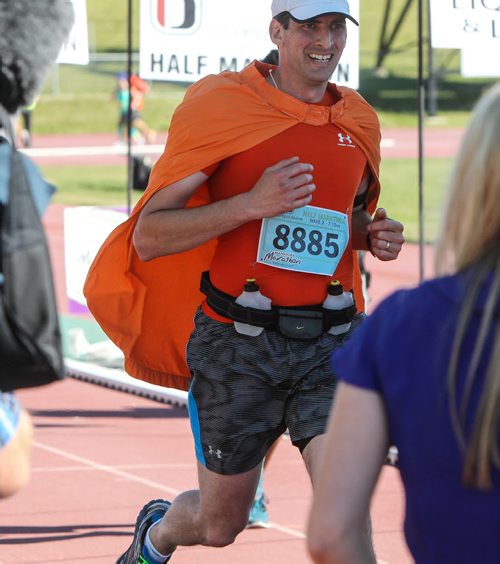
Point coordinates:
[[308, 239]]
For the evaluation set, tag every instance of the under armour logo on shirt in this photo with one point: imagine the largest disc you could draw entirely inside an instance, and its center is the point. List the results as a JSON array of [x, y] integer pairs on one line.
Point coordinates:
[[345, 140]]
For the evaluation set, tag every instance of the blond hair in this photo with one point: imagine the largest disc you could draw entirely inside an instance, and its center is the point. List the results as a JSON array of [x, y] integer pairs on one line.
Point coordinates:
[[470, 239], [472, 211]]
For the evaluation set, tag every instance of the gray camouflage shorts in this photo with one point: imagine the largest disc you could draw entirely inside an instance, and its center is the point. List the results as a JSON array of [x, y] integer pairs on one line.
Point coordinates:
[[245, 391]]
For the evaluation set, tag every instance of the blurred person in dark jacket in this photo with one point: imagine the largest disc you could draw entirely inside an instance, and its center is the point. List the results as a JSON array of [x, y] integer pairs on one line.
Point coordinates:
[[31, 36]]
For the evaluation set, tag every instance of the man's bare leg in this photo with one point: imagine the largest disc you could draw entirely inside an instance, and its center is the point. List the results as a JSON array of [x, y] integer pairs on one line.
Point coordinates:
[[211, 516], [259, 517], [311, 456]]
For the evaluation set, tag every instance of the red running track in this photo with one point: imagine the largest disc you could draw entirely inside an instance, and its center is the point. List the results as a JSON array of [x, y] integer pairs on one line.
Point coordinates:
[[100, 454]]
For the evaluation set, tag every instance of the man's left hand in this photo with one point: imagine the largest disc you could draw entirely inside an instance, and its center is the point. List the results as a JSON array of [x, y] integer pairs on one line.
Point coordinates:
[[386, 236]]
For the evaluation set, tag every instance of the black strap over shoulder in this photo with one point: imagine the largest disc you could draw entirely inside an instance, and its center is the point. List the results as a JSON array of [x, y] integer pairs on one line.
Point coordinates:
[[225, 305], [361, 200]]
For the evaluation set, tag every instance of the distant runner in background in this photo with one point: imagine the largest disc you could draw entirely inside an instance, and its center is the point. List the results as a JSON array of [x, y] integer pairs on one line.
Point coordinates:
[[141, 132]]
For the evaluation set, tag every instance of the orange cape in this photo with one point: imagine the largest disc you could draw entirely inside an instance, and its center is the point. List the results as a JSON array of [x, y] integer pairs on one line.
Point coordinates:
[[147, 308]]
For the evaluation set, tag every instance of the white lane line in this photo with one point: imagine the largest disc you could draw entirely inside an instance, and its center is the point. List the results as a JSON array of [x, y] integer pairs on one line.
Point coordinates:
[[109, 469], [287, 531], [92, 151], [121, 467], [106, 150]]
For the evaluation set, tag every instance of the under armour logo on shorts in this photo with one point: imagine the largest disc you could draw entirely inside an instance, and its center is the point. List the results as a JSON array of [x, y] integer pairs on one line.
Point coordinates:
[[214, 452]]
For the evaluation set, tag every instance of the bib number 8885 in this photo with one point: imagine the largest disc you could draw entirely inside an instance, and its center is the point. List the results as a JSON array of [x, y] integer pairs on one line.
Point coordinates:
[[300, 240]]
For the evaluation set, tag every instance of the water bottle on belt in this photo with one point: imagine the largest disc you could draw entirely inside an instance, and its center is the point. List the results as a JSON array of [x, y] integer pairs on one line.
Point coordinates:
[[338, 299], [251, 297]]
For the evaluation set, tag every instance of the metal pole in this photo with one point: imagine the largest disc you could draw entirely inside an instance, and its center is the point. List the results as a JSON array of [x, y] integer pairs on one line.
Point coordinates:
[[432, 107], [129, 111], [421, 109]]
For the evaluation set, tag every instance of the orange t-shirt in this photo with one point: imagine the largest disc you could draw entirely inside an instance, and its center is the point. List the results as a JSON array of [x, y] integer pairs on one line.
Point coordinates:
[[338, 170]]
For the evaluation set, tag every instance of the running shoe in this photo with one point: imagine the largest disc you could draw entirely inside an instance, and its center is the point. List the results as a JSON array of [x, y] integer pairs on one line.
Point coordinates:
[[149, 514], [259, 517]]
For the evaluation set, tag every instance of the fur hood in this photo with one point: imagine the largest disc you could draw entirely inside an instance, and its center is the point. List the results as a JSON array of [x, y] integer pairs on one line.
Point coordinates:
[[32, 33]]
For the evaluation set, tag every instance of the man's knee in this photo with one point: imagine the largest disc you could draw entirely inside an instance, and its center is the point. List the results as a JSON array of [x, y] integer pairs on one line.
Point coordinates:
[[225, 502], [222, 530], [220, 533]]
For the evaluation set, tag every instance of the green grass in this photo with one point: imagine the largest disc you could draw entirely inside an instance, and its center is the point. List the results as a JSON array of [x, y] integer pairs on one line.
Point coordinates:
[[108, 24], [99, 185], [400, 193], [106, 185]]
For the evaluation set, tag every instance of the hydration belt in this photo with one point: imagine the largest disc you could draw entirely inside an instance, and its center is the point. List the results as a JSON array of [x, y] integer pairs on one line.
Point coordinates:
[[314, 319]]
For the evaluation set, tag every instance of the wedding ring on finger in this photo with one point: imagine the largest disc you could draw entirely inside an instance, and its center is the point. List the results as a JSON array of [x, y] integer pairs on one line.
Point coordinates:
[[387, 245]]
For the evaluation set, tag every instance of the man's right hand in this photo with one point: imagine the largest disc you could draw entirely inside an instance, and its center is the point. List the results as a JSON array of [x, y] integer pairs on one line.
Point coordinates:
[[283, 187]]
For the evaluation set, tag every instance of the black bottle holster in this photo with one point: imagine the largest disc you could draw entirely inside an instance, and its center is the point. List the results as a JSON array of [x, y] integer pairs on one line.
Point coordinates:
[[298, 322]]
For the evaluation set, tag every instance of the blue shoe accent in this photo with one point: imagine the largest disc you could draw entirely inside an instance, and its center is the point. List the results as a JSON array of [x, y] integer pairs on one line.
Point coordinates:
[[149, 514], [259, 517], [260, 486]]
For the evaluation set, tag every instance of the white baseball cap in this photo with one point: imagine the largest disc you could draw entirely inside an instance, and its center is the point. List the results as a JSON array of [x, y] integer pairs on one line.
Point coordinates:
[[307, 9]]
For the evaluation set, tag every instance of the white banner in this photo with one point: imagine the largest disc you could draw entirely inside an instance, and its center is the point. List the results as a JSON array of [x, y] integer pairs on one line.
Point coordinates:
[[75, 50], [85, 230], [475, 64], [457, 23], [185, 40]]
